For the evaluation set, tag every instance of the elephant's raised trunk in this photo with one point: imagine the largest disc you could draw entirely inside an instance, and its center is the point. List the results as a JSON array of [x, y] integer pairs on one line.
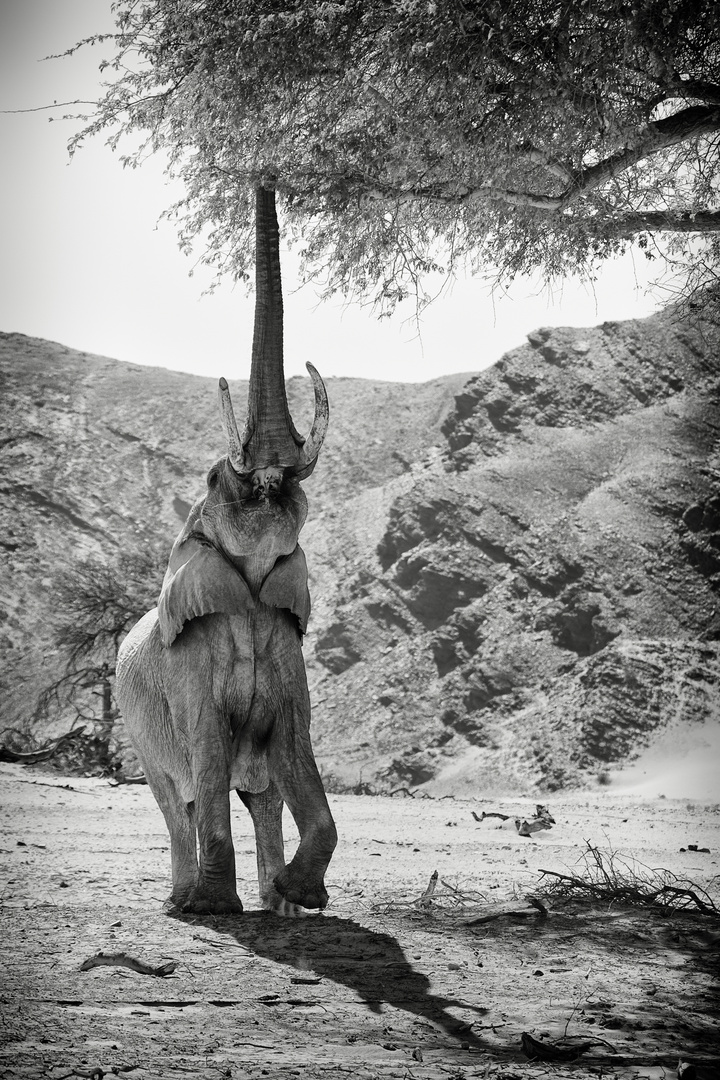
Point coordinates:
[[270, 438]]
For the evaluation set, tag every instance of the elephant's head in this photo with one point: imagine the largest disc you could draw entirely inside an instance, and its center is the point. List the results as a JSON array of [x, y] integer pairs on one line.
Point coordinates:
[[254, 503]]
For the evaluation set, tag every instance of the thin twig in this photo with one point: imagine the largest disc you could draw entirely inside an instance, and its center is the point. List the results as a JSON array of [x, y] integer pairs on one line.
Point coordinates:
[[58, 787]]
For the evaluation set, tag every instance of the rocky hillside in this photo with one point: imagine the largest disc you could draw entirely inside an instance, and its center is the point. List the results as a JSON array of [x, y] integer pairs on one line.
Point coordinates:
[[100, 458], [514, 574]]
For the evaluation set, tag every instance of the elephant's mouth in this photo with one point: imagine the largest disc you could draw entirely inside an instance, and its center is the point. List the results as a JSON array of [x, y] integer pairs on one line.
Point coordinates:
[[270, 501], [252, 502], [263, 502]]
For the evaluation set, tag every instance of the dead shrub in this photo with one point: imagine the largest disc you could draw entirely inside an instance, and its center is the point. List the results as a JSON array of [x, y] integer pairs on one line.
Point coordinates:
[[613, 879]]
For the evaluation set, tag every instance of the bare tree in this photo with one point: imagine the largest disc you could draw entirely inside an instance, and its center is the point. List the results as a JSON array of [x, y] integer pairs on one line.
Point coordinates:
[[100, 603]]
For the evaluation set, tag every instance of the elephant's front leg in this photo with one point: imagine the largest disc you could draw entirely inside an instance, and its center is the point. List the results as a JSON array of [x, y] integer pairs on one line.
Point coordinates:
[[215, 891], [266, 809], [281, 707], [293, 768], [303, 880]]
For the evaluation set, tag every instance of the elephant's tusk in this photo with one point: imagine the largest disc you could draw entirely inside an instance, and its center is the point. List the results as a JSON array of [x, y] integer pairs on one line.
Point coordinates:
[[313, 443], [236, 443]]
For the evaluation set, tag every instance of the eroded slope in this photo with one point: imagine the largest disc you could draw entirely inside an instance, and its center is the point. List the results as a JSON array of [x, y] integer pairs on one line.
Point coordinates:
[[540, 599]]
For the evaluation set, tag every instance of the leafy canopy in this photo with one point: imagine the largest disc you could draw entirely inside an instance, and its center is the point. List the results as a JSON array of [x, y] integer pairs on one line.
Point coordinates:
[[405, 136]]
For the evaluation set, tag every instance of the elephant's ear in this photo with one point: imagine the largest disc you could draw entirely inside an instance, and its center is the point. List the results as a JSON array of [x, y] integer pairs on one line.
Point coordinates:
[[286, 586], [204, 584]]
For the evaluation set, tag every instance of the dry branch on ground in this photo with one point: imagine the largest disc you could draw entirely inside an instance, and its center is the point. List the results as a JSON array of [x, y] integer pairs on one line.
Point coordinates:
[[608, 876]]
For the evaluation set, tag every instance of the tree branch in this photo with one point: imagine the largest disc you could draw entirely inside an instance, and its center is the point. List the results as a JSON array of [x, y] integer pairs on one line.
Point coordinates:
[[705, 221], [538, 157], [696, 88], [657, 135], [44, 108], [452, 194]]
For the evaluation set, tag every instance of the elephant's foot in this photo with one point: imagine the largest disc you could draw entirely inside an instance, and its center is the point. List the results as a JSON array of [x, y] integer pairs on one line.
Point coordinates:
[[299, 888], [174, 903], [203, 900], [278, 905]]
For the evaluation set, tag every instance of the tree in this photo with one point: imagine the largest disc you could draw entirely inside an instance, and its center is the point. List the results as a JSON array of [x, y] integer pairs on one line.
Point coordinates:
[[100, 602], [407, 136]]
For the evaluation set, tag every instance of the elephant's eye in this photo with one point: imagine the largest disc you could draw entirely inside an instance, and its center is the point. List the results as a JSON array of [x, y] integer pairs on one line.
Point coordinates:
[[212, 479]]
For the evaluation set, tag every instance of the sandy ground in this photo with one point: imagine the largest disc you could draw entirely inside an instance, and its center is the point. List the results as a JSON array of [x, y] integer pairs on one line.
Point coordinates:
[[683, 761], [376, 986]]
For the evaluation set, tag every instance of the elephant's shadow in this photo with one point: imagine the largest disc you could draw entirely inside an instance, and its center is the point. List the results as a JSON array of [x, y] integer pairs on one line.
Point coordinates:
[[369, 962]]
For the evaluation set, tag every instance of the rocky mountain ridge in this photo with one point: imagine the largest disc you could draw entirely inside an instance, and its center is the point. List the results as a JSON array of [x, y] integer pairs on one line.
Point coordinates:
[[100, 458], [514, 574]]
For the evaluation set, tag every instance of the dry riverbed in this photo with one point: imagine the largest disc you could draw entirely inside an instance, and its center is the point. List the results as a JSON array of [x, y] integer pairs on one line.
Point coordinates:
[[377, 986]]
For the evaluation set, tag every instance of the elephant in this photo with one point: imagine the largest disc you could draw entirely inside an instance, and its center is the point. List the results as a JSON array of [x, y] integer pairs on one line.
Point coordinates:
[[211, 683]]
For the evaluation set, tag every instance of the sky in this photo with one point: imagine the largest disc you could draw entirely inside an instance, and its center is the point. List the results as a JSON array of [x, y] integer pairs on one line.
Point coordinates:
[[85, 261]]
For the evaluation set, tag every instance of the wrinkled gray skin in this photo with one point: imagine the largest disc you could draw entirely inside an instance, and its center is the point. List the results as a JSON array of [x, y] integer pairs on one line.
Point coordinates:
[[226, 705], [212, 683]]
